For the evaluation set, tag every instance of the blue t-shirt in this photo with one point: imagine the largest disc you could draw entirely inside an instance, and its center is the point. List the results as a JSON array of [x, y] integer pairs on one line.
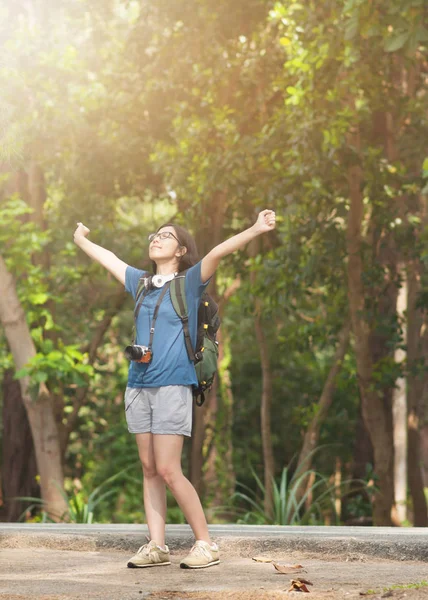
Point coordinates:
[[170, 364]]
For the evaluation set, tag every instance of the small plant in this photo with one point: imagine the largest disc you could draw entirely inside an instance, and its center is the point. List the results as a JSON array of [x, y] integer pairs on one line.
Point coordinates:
[[287, 509], [290, 505], [80, 505]]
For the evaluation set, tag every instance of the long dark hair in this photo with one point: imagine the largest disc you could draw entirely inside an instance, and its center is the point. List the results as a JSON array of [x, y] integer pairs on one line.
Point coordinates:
[[186, 239]]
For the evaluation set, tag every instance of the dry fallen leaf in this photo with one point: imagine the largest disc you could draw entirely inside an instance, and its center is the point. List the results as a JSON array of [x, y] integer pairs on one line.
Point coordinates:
[[287, 569], [262, 559], [298, 586], [304, 580]]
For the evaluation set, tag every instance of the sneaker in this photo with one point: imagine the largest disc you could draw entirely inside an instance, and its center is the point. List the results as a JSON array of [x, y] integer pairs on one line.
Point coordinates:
[[201, 555], [150, 555]]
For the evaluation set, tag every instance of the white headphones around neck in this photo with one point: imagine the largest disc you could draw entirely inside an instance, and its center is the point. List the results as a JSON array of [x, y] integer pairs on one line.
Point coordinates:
[[157, 281]]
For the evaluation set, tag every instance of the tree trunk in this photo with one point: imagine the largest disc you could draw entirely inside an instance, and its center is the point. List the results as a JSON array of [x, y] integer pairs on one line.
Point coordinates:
[[210, 463], [311, 437], [374, 407], [219, 477], [362, 457], [39, 409], [363, 450], [227, 403], [210, 447], [19, 467], [265, 409], [417, 349], [415, 475], [424, 455], [266, 399], [399, 412], [196, 460]]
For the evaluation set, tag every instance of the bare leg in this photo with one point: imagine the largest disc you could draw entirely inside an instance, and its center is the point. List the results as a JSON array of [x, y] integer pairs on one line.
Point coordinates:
[[154, 489], [167, 451]]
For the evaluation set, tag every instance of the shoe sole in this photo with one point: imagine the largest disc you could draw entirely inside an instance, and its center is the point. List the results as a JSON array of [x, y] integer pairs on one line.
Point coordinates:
[[131, 565], [211, 564]]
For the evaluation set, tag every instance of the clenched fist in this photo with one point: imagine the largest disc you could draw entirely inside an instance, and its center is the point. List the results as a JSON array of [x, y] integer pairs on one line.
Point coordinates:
[[81, 232], [266, 221]]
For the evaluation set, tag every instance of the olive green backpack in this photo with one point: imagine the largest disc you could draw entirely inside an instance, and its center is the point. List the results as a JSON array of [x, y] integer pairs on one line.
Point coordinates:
[[205, 357]]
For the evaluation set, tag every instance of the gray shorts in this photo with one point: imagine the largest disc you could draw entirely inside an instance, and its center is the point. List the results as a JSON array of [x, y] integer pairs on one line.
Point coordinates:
[[166, 409]]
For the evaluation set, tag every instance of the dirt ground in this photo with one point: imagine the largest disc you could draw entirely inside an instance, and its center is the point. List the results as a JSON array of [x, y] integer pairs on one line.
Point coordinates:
[[46, 574]]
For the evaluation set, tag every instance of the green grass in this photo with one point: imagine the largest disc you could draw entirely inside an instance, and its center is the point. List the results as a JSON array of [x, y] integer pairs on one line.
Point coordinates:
[[405, 586]]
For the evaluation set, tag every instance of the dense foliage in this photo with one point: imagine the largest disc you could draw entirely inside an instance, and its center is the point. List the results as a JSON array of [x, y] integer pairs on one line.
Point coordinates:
[[125, 114]]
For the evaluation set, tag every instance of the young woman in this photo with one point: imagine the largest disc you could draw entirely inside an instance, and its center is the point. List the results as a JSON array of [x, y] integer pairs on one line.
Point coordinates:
[[158, 398]]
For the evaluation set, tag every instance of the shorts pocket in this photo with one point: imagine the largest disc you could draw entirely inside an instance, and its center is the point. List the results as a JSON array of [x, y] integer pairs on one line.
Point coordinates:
[[131, 395], [174, 412], [178, 413]]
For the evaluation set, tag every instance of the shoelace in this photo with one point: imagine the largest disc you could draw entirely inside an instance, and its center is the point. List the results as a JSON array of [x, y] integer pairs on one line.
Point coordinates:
[[145, 549], [201, 550]]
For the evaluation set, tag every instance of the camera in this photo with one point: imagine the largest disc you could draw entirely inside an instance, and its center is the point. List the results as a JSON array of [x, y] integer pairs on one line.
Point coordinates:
[[141, 354]]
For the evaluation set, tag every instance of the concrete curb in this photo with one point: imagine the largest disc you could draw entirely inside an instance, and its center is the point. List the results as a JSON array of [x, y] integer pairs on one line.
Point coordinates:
[[347, 543]]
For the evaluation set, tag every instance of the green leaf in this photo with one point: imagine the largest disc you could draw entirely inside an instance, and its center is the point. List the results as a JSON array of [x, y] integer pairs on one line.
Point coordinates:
[[71, 351], [40, 377], [395, 43], [351, 28], [54, 355], [39, 298], [349, 4], [24, 372], [422, 34]]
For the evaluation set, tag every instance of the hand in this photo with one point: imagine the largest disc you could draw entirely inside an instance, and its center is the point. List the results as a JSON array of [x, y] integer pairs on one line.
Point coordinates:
[[81, 231], [266, 221]]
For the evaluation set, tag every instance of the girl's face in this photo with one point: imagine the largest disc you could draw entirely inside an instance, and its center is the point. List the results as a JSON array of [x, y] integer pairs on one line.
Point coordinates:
[[164, 245]]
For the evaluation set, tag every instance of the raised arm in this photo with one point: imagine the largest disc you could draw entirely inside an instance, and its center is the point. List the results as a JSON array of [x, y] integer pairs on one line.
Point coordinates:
[[106, 258], [265, 222]]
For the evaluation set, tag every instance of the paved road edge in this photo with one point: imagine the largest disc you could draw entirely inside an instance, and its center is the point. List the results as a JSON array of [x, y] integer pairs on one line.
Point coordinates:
[[346, 547]]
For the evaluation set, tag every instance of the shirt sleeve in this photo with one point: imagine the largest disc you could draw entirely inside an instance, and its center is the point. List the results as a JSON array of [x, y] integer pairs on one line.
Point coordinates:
[[194, 285], [132, 277]]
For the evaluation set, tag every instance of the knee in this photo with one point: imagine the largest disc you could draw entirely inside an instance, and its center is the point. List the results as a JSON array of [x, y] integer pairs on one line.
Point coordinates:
[[169, 474], [149, 469]]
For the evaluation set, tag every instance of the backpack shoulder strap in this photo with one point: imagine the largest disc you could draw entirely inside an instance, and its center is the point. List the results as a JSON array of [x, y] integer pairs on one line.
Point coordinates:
[[139, 297], [179, 301], [141, 285], [178, 295]]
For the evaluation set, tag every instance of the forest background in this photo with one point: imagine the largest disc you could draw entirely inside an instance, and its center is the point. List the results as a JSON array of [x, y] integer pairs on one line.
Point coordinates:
[[125, 114]]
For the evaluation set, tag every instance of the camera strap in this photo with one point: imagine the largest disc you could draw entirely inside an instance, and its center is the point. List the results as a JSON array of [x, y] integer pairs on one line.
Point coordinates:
[[137, 309], [155, 314]]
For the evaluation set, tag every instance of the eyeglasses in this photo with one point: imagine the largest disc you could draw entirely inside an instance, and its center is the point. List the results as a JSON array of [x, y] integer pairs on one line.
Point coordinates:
[[163, 235]]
